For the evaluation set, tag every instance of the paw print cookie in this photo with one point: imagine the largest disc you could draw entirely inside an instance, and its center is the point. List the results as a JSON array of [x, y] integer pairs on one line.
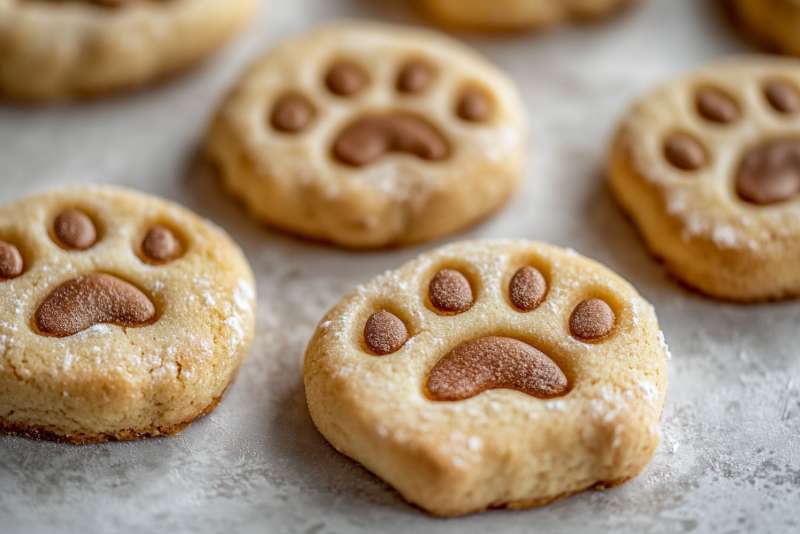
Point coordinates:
[[775, 23], [122, 316], [369, 135], [708, 167], [491, 374], [56, 49], [498, 15]]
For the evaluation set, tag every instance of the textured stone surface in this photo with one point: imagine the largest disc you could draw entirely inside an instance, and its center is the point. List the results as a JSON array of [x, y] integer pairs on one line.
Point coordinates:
[[730, 457]]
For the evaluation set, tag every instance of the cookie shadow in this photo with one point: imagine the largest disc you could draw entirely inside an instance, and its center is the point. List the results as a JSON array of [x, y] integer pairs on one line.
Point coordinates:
[[202, 191], [331, 479], [622, 248], [45, 471]]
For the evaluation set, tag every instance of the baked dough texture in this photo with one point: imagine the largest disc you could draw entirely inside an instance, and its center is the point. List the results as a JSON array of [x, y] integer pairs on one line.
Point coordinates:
[[122, 316], [436, 378], [776, 23], [500, 15], [370, 135], [708, 167], [52, 50]]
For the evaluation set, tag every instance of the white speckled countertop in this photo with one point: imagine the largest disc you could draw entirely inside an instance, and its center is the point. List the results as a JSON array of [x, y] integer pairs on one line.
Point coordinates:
[[730, 457]]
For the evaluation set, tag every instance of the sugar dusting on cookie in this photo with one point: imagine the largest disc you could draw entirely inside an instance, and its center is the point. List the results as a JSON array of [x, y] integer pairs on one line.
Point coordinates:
[[403, 399], [93, 307]]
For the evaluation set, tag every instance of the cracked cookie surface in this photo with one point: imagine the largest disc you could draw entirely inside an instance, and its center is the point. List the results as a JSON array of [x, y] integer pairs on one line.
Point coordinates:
[[369, 135], [499, 15], [491, 403], [121, 315], [51, 50], [708, 166]]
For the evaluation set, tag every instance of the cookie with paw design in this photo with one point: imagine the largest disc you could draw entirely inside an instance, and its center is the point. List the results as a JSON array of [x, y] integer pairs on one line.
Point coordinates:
[[122, 316], [708, 167], [369, 135], [776, 23], [497, 15], [54, 49], [491, 374]]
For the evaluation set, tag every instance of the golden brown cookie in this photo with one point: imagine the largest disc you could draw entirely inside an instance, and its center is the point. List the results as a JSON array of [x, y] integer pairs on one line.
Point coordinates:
[[498, 15], [491, 374], [776, 23], [708, 167], [59, 49], [122, 316], [370, 135]]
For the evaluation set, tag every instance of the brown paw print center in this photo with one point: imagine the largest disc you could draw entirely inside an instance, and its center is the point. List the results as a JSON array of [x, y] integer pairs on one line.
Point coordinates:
[[384, 333], [74, 230], [88, 300], [11, 263], [527, 288], [592, 320], [685, 152], [479, 362], [160, 245], [371, 134], [450, 292], [716, 105], [474, 105], [491, 363], [346, 78], [770, 172], [292, 113], [783, 96], [370, 137], [415, 76]]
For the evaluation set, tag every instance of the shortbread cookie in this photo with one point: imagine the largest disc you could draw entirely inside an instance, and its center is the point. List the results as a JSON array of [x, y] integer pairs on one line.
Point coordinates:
[[494, 15], [369, 135], [491, 374], [776, 23], [122, 316], [52, 49], [709, 168]]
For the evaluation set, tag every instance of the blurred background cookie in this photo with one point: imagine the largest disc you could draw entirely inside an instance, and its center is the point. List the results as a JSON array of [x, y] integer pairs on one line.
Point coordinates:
[[708, 167], [775, 23], [122, 316], [52, 49], [371, 135], [498, 15]]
